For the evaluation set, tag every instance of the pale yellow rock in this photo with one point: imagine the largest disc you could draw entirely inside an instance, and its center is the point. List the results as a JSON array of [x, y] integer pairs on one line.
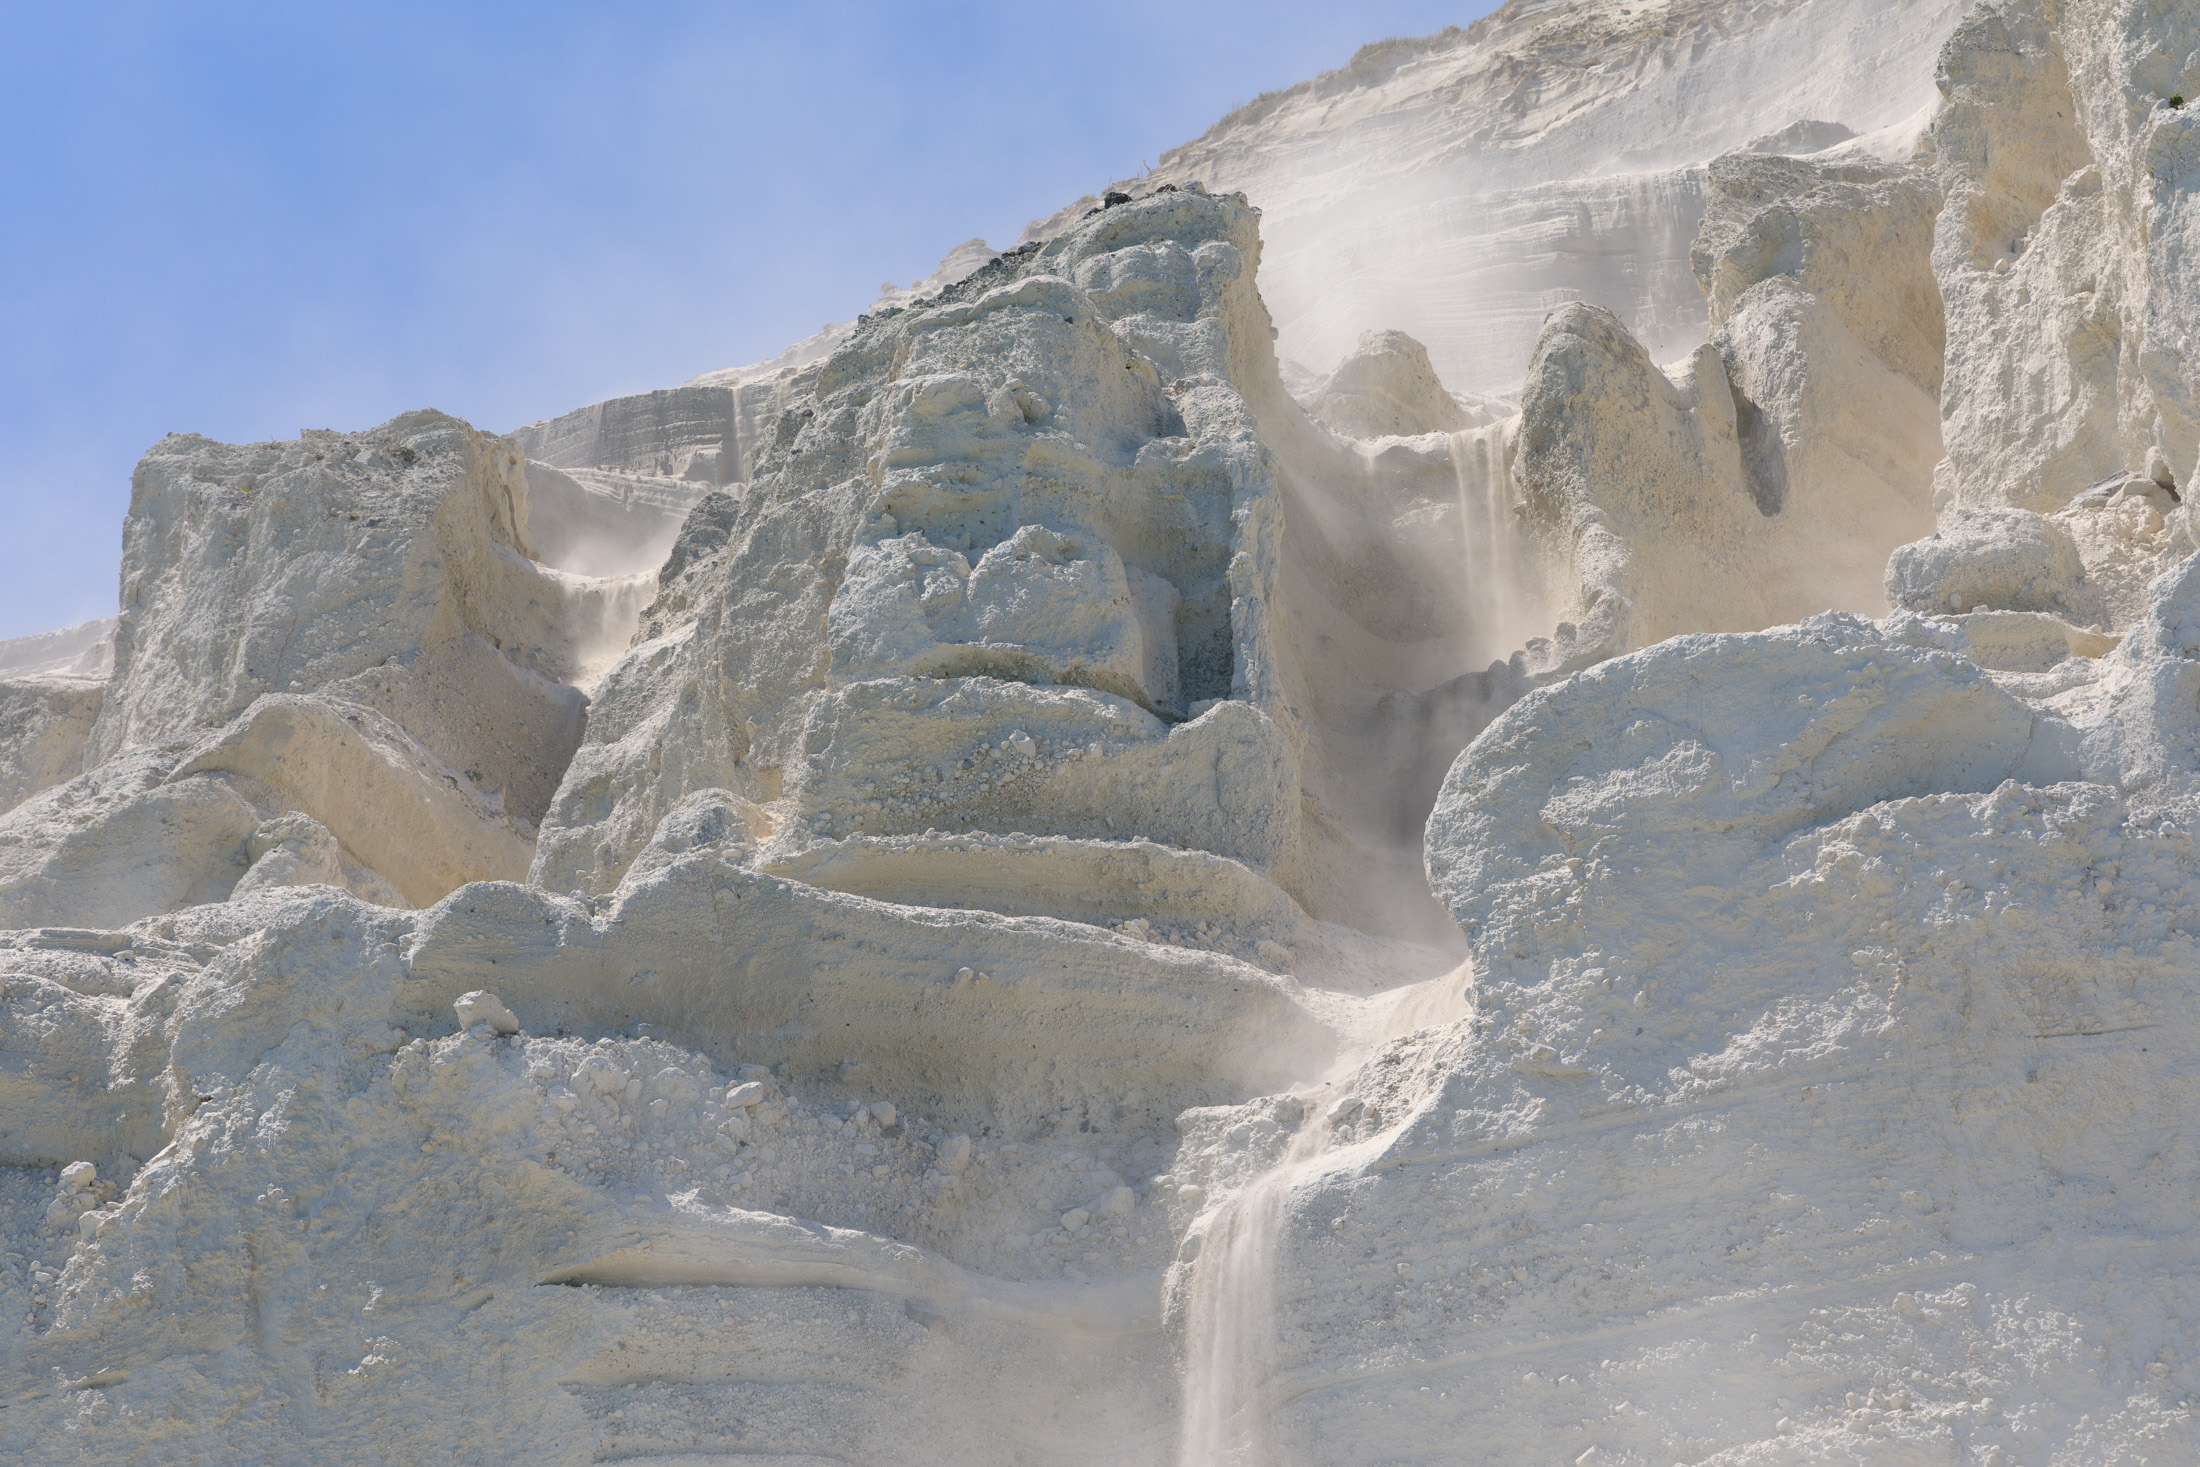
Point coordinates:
[[379, 794]]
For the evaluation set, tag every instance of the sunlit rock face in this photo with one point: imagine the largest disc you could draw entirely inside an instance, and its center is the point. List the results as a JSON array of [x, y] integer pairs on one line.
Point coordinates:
[[350, 630], [1025, 884], [1823, 974], [2068, 363], [1460, 186]]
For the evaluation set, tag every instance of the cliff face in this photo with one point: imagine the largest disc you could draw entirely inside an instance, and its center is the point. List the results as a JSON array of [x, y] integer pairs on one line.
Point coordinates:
[[1000, 890], [1459, 187]]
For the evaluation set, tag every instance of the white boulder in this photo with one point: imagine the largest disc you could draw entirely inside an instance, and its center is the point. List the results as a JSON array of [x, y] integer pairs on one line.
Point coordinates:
[[483, 1007], [1987, 558]]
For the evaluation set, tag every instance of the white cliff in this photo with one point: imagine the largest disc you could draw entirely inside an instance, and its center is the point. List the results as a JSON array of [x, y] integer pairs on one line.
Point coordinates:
[[1460, 186], [1032, 883]]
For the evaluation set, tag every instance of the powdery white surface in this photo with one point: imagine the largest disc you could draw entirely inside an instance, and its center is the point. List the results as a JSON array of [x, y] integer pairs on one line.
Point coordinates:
[[1459, 187], [997, 890]]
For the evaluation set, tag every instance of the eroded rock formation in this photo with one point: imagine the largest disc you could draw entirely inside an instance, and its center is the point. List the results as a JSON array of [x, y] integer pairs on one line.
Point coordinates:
[[1025, 884]]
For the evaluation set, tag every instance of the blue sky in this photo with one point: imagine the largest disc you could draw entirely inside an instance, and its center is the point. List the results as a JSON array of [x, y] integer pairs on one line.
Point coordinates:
[[243, 220]]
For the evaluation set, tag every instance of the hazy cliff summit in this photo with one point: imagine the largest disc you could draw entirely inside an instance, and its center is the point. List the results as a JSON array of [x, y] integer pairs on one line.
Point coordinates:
[[1458, 186]]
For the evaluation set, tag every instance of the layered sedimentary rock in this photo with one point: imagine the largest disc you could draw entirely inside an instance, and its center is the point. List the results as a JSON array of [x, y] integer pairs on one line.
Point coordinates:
[[1665, 1196], [1023, 884], [1012, 570], [1459, 186], [348, 629], [611, 483]]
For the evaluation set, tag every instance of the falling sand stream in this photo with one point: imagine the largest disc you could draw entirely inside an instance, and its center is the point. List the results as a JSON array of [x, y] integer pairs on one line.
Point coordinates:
[[1231, 1320], [1232, 1323], [1501, 608]]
